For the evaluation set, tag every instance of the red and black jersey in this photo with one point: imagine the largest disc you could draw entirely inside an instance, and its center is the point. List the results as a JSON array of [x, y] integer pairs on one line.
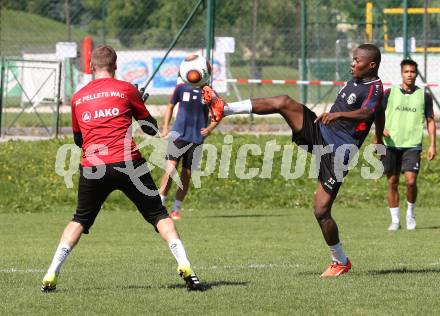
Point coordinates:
[[102, 111], [355, 95]]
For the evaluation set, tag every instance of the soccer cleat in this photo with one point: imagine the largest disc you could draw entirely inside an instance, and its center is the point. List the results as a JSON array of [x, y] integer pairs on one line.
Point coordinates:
[[394, 226], [49, 283], [215, 104], [175, 215], [410, 223], [336, 269], [190, 278]]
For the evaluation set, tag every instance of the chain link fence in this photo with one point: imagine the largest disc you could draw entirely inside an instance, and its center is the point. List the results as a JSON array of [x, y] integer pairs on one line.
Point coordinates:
[[275, 43]]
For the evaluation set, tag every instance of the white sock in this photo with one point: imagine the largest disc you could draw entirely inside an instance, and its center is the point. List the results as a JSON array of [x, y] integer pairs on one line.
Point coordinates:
[[240, 107], [410, 213], [60, 256], [179, 253], [163, 198], [394, 211], [338, 254], [177, 205]]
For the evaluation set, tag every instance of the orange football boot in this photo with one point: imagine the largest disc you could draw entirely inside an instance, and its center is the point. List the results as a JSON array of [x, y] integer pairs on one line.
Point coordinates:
[[336, 269], [175, 214], [214, 103]]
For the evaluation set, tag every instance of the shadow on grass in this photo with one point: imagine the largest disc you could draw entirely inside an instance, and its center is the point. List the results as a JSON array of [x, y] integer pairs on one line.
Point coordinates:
[[209, 285], [402, 271], [380, 272], [134, 287], [310, 273], [246, 215], [97, 288], [429, 227], [206, 286]]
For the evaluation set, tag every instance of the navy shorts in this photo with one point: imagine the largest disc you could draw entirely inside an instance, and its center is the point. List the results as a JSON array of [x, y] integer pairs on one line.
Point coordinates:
[[396, 161], [310, 135], [189, 153], [93, 192]]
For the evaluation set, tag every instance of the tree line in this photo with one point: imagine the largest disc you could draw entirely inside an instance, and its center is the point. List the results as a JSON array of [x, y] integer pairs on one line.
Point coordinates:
[[266, 29]]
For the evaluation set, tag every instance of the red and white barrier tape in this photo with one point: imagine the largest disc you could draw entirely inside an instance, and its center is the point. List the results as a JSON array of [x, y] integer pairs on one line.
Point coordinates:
[[308, 82]]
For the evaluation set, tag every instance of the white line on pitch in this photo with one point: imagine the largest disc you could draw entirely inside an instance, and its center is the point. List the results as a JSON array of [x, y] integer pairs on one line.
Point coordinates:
[[15, 270], [251, 266]]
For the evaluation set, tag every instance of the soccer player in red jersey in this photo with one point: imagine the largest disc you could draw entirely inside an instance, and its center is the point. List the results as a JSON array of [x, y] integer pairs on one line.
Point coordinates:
[[102, 115], [345, 126]]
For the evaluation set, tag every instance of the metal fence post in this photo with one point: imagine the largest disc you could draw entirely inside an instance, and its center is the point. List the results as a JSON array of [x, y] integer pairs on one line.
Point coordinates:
[[303, 73], [210, 18], [104, 20], [173, 43], [1, 94], [405, 29], [57, 127]]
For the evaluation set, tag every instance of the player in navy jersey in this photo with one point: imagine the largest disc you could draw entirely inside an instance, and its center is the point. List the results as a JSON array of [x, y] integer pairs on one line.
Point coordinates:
[[187, 134], [102, 114], [344, 127]]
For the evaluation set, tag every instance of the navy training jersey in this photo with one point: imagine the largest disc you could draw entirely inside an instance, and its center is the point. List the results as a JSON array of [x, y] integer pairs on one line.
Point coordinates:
[[355, 95], [192, 115]]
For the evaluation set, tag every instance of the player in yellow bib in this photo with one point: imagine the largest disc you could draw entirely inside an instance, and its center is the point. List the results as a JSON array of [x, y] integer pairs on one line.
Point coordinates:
[[406, 108]]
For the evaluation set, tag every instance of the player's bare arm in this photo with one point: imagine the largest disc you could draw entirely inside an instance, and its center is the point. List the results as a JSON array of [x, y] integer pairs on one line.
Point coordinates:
[[432, 151], [327, 117], [379, 125], [207, 130], [167, 120]]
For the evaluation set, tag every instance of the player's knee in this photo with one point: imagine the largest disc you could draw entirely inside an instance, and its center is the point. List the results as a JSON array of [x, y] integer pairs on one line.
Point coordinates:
[[284, 102], [393, 184], [322, 213], [85, 222], [411, 184], [153, 216]]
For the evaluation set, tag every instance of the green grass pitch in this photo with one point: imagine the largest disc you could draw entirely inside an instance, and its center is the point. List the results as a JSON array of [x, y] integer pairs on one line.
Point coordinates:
[[254, 243], [252, 261]]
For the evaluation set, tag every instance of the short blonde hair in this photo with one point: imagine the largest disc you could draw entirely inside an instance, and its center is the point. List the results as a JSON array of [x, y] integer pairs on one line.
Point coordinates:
[[104, 58]]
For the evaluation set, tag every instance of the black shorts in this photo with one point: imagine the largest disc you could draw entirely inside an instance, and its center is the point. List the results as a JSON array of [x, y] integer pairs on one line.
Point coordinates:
[[93, 192], [396, 161], [189, 153], [310, 135]]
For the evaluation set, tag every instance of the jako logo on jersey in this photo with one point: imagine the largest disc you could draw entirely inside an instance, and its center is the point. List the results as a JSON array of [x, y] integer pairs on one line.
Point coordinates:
[[351, 98], [106, 113], [86, 116], [406, 109]]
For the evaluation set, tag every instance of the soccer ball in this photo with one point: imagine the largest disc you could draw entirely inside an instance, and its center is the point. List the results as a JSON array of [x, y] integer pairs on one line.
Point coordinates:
[[195, 70]]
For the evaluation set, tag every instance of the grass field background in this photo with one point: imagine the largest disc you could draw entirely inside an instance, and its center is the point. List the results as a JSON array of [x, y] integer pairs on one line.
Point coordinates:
[[252, 261], [254, 243], [29, 182]]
